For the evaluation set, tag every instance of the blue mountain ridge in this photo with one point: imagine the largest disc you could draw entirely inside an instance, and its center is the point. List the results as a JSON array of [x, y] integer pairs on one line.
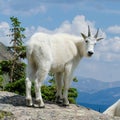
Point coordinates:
[[100, 100], [103, 97]]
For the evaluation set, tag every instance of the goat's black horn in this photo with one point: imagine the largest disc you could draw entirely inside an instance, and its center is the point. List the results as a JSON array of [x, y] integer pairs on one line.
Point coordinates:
[[96, 35], [89, 34]]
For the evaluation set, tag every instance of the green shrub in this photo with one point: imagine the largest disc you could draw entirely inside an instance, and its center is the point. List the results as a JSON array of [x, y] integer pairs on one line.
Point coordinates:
[[72, 92], [48, 92], [72, 100], [17, 87], [1, 82]]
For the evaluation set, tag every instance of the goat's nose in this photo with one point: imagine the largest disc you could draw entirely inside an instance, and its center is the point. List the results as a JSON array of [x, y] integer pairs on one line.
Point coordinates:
[[90, 53]]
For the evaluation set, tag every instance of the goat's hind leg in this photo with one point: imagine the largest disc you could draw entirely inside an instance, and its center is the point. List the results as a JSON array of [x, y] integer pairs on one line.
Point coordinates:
[[28, 92], [30, 76], [41, 75]]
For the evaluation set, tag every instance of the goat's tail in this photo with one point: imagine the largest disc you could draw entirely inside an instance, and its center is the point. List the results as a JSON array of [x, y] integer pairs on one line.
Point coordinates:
[[29, 51], [30, 70]]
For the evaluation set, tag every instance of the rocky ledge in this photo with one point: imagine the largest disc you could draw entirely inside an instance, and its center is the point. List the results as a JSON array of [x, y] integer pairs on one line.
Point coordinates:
[[12, 107]]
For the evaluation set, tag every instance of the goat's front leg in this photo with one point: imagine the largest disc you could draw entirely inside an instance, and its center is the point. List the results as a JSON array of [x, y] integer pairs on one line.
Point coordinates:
[[59, 85], [65, 92], [28, 92], [67, 80]]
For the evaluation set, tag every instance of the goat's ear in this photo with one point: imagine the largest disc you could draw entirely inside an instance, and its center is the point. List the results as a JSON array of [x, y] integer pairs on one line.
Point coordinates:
[[84, 36], [98, 39]]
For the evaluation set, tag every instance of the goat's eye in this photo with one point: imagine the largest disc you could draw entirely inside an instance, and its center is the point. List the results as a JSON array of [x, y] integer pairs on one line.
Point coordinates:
[[86, 41]]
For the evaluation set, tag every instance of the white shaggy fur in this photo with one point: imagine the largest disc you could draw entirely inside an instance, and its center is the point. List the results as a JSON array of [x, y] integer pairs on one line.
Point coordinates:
[[58, 53], [113, 110]]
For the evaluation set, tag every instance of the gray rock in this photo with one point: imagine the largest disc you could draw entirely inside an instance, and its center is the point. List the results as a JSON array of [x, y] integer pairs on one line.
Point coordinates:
[[4, 53], [15, 104]]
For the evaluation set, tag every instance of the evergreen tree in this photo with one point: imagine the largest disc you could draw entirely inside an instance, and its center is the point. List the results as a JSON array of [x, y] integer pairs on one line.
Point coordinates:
[[17, 48]]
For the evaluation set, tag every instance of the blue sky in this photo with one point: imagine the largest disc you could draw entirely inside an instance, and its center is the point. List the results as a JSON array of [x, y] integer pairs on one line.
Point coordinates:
[[72, 17]]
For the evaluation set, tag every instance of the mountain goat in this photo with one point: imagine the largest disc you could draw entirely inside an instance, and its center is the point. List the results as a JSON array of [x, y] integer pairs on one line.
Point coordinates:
[[60, 54], [113, 110]]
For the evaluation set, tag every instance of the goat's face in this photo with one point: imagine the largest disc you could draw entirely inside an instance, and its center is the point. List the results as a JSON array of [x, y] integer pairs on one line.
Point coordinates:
[[89, 46], [90, 42]]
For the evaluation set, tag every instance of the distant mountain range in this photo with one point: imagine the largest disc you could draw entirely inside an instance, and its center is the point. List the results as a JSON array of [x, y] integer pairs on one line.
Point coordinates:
[[90, 85]]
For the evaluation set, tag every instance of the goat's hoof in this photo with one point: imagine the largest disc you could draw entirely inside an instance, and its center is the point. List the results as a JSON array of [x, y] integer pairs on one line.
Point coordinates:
[[29, 103], [59, 100], [39, 104], [65, 102]]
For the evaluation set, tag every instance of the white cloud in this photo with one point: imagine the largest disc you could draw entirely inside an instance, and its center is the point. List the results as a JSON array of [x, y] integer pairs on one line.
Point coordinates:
[[79, 24], [4, 31], [4, 25], [114, 29], [31, 30], [105, 71], [108, 50], [13, 7]]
